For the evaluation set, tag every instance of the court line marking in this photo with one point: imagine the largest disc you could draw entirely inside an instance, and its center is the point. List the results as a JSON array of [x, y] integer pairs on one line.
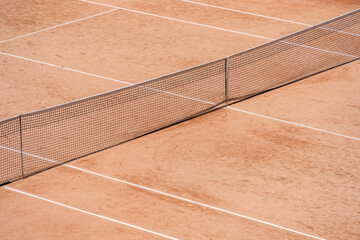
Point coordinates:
[[213, 27], [269, 17], [90, 213], [319, 49], [248, 13], [60, 25], [132, 184], [236, 109], [62, 67], [167, 194], [107, 78], [175, 19], [293, 123]]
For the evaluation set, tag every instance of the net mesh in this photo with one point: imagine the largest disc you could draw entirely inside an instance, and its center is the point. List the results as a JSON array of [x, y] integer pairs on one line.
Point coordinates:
[[294, 57], [73, 130], [37, 141], [10, 150]]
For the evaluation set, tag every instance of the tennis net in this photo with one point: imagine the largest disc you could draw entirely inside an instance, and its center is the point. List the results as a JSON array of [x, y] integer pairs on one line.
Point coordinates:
[[33, 142]]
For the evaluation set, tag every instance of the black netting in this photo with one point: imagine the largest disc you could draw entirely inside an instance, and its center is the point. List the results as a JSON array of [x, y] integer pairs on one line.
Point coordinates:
[[10, 150], [294, 57], [60, 134], [63, 133]]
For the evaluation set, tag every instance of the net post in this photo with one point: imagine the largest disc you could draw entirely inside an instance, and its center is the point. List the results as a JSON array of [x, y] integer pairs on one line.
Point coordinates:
[[227, 80], [21, 148]]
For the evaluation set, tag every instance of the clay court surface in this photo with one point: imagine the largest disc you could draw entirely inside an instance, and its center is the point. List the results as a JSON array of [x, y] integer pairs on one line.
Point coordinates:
[[214, 172]]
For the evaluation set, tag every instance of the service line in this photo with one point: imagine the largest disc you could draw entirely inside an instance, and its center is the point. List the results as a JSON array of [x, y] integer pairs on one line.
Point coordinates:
[[166, 194], [90, 213], [194, 99]]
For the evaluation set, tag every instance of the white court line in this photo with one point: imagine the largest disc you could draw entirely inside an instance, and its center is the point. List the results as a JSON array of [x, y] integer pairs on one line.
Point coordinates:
[[60, 25], [62, 67], [264, 16], [194, 202], [90, 213], [294, 123], [217, 28], [168, 195], [112, 79], [248, 13], [319, 49], [177, 20], [107, 78]]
